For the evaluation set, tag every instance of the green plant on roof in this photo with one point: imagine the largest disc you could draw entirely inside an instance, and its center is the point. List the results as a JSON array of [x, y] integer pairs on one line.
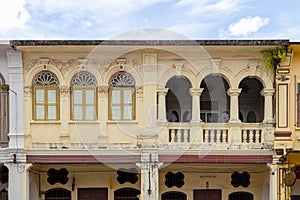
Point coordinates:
[[273, 57]]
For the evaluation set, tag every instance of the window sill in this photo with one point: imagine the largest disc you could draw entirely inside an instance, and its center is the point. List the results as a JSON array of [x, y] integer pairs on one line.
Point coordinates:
[[121, 122], [84, 122], [45, 122]]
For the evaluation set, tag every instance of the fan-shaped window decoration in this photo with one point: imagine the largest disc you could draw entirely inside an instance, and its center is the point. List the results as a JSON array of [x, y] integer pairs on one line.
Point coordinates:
[[122, 97], [84, 79], [45, 96], [58, 194], [122, 79], [173, 196], [84, 104], [45, 78], [127, 193]]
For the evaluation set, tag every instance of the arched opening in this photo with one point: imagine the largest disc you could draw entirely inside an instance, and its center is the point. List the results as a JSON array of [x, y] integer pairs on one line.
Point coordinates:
[[173, 196], [251, 102], [178, 100], [214, 101], [240, 196], [127, 193], [58, 194]]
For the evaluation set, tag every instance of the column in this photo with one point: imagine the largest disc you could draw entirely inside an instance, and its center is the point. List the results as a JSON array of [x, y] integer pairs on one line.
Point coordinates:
[[18, 181], [195, 93], [102, 112], [162, 92], [273, 181], [16, 99], [64, 113], [268, 108], [149, 176], [234, 104]]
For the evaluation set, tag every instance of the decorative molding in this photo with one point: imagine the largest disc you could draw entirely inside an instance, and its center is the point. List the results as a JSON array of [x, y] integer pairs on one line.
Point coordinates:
[[4, 88], [64, 90], [216, 63], [102, 90], [234, 91], [27, 91], [252, 69], [139, 92], [62, 64], [196, 91]]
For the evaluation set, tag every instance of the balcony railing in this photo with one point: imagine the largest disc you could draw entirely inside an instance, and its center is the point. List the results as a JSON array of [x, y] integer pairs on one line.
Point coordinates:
[[224, 136]]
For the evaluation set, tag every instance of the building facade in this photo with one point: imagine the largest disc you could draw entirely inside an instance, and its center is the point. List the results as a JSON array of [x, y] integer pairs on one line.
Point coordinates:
[[287, 124], [12, 160], [149, 120]]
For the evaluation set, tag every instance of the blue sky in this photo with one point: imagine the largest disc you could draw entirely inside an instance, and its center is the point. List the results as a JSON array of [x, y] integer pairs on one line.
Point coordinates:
[[107, 19]]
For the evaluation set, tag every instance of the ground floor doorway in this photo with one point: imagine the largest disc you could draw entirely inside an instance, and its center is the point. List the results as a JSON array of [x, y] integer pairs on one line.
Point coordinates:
[[207, 195], [92, 194]]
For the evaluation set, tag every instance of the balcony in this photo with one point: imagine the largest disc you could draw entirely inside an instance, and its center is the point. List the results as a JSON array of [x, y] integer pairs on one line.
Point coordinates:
[[222, 136]]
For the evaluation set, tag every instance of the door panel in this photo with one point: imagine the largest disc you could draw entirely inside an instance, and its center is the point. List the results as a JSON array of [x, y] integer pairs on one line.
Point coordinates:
[[207, 195], [92, 194]]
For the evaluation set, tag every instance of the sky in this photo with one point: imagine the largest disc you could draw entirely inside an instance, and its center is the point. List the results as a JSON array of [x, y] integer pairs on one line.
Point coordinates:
[[111, 19]]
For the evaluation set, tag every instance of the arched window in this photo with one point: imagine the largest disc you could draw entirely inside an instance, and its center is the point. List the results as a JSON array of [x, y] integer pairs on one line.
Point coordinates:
[[4, 117], [122, 97], [46, 96], [84, 97], [251, 102], [240, 196], [173, 196], [127, 193], [178, 100], [58, 194], [214, 100]]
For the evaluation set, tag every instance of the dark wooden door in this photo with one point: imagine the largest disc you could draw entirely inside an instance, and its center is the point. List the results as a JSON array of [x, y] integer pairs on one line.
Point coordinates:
[[207, 195], [92, 194]]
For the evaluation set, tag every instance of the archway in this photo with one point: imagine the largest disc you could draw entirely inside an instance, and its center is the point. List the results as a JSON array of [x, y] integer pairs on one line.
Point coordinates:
[[178, 100], [251, 102], [214, 101]]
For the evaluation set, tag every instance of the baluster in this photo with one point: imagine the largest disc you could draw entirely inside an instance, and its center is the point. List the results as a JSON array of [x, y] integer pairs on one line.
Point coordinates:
[[257, 136], [185, 135], [251, 136], [218, 136], [243, 136], [224, 136], [172, 135], [206, 133]]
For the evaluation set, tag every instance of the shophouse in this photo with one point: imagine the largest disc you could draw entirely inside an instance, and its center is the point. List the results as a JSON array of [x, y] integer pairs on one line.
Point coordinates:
[[149, 119]]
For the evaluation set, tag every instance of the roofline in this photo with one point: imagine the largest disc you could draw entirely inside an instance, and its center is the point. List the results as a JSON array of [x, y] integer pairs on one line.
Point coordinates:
[[277, 42], [291, 43]]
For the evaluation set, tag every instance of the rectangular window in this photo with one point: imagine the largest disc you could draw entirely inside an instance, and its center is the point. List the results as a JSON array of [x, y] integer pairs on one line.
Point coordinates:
[[122, 104], [84, 105], [46, 104]]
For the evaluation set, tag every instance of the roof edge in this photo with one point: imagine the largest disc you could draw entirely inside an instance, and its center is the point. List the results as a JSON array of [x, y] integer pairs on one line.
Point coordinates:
[[277, 42]]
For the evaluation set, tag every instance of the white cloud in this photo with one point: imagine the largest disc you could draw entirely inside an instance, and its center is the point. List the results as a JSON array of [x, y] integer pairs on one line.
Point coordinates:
[[13, 15], [245, 26], [212, 8]]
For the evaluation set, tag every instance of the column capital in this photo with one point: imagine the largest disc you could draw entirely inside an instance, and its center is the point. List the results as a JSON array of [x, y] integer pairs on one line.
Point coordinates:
[[196, 91], [162, 91], [234, 91], [267, 92], [64, 90]]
